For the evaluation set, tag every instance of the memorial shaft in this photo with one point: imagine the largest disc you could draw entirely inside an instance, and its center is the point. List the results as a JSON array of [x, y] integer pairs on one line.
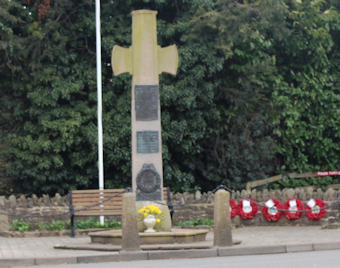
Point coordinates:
[[145, 60]]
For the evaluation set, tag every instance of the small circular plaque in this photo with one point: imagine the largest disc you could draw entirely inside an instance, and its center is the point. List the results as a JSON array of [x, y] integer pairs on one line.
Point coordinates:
[[148, 179]]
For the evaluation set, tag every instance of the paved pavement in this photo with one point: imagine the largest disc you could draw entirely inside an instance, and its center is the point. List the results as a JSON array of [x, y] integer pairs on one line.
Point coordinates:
[[316, 259], [16, 252]]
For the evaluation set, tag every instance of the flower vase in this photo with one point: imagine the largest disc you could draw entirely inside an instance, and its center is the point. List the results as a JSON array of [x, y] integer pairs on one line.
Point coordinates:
[[149, 222]]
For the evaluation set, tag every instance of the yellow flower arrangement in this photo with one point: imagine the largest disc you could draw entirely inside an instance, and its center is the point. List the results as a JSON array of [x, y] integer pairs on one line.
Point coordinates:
[[151, 209]]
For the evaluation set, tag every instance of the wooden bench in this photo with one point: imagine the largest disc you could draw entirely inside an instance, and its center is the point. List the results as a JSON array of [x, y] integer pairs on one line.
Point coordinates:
[[107, 202]]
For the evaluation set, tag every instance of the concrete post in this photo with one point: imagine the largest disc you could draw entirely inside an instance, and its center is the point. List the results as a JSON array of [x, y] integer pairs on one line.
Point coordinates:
[[130, 236], [4, 223], [222, 221]]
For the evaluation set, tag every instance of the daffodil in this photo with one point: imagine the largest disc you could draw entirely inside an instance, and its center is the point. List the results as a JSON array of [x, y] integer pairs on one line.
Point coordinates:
[[151, 209]]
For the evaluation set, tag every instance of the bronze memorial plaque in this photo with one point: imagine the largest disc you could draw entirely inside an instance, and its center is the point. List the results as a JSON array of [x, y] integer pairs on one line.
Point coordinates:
[[148, 184], [147, 142], [146, 102]]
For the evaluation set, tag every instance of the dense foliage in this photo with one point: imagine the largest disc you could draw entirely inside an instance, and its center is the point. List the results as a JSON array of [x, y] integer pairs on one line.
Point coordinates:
[[257, 91]]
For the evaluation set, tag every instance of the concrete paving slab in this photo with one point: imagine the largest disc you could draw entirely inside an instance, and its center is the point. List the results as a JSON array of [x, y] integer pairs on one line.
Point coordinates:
[[16, 252]]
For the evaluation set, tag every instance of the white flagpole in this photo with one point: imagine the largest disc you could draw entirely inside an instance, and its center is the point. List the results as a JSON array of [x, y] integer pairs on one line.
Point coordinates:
[[99, 104]]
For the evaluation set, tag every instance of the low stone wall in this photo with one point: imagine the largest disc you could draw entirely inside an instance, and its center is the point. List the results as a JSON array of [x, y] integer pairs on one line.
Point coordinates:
[[39, 207], [200, 206], [187, 206]]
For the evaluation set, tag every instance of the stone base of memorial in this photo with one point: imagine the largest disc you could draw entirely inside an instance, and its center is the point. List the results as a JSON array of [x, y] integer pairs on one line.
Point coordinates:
[[180, 236]]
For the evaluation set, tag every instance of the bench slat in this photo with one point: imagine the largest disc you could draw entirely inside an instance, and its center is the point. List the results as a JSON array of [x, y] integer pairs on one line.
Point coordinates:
[[93, 198], [106, 191], [106, 196], [88, 203], [97, 190], [99, 193], [99, 208], [102, 213]]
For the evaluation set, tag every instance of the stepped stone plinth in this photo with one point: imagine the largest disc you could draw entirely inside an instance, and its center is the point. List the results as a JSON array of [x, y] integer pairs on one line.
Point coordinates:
[[179, 236]]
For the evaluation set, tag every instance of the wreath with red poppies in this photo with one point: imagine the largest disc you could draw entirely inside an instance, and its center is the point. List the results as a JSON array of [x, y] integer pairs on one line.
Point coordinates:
[[317, 211], [289, 212], [233, 208], [247, 213], [273, 213]]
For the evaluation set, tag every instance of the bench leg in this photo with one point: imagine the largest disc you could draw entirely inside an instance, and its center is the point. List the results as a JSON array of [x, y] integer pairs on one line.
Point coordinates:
[[72, 226], [170, 206]]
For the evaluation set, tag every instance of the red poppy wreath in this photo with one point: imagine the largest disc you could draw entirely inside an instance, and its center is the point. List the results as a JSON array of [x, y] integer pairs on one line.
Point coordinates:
[[316, 209], [247, 208], [233, 208], [271, 210], [292, 207]]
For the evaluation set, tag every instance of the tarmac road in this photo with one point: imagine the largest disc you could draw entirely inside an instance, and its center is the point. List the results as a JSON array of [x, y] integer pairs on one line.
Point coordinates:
[[322, 259]]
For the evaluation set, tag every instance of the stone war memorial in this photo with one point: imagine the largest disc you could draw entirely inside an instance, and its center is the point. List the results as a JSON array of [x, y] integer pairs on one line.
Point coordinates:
[[145, 60]]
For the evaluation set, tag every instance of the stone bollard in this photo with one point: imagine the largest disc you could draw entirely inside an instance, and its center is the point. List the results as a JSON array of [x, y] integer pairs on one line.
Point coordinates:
[[222, 221], [130, 236], [4, 223]]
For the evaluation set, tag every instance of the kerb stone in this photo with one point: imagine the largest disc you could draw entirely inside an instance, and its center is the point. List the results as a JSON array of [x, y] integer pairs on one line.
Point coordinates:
[[130, 236], [222, 221]]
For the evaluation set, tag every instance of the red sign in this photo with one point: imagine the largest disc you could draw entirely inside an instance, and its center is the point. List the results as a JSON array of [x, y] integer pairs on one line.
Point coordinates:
[[328, 173]]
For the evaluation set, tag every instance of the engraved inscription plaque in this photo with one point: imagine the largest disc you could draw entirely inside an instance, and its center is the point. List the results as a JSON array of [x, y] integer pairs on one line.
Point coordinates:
[[146, 102], [147, 142], [148, 184]]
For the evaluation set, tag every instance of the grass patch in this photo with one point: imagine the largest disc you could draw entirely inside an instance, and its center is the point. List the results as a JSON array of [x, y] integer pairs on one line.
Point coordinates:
[[90, 223], [207, 222], [94, 223], [21, 226]]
